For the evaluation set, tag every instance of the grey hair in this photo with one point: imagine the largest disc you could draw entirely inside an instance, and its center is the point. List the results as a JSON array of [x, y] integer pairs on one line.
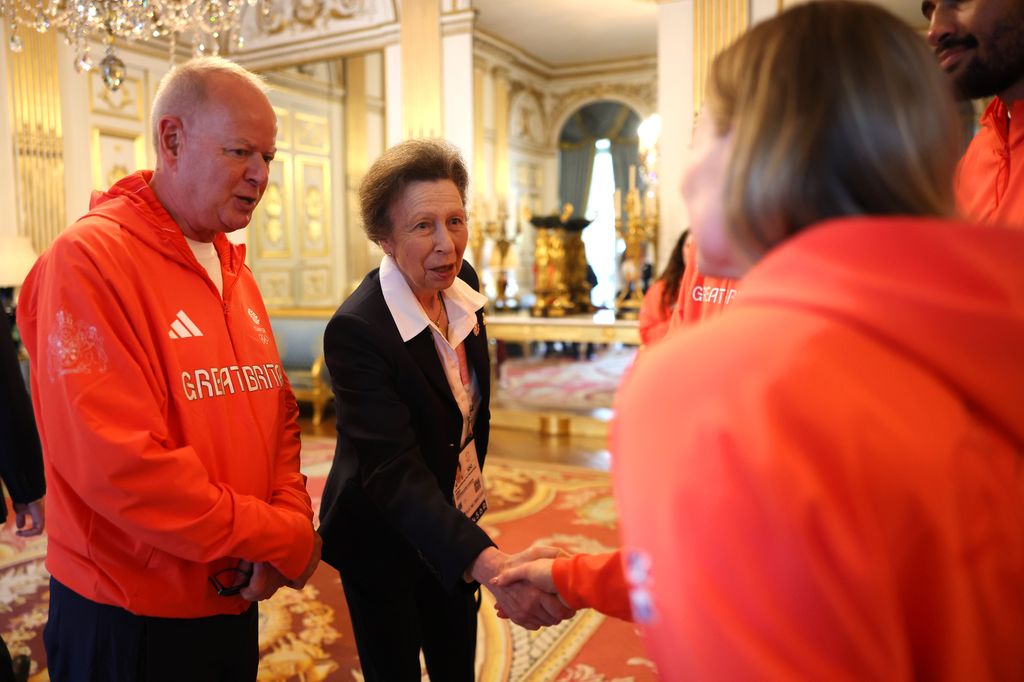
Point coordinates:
[[184, 88]]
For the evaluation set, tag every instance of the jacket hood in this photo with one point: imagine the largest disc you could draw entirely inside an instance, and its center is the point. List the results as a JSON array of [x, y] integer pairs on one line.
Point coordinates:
[[131, 198], [948, 295]]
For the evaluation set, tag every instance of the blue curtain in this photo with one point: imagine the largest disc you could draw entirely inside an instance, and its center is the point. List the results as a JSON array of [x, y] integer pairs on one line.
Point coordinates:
[[600, 120]]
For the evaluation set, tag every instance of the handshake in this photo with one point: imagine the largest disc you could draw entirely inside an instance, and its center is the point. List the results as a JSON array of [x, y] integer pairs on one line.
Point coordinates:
[[522, 585]]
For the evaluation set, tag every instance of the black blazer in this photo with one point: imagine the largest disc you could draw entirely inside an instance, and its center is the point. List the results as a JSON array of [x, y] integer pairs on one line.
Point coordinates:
[[21, 458], [388, 499]]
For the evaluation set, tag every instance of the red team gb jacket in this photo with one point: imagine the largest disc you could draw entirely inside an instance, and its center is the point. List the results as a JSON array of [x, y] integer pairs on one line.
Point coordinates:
[[168, 427]]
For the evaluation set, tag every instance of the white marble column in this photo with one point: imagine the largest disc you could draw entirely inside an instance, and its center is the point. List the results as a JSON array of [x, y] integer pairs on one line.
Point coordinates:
[[393, 94], [675, 104], [458, 82]]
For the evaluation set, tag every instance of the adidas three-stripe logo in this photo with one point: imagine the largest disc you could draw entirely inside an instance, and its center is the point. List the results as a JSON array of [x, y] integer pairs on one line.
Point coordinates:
[[183, 327]]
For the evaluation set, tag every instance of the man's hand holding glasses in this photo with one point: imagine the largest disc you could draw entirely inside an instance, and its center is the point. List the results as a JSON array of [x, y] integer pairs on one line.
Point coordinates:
[[256, 582], [230, 582]]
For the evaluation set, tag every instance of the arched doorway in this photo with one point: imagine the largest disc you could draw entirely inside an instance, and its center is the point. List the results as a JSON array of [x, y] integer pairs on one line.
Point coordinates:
[[597, 146]]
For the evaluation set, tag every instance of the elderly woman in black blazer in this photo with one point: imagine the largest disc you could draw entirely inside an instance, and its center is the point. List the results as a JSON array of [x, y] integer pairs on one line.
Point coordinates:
[[408, 359]]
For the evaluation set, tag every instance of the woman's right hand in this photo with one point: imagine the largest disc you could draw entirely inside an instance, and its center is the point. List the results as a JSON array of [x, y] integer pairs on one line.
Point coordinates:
[[532, 565], [523, 603]]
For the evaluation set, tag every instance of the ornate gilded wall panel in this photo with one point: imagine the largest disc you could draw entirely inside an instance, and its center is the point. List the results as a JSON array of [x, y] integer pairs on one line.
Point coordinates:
[[273, 221], [315, 287], [115, 154], [293, 248], [128, 102], [311, 134], [284, 128], [276, 287], [38, 138], [313, 204]]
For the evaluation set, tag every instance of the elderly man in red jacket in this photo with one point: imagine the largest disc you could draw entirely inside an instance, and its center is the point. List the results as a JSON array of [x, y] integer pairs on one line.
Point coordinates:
[[169, 430]]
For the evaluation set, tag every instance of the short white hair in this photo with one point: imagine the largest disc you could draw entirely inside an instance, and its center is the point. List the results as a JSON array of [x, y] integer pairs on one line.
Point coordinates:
[[184, 88]]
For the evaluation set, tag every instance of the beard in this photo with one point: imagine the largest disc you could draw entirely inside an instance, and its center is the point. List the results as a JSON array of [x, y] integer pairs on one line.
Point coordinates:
[[1000, 68]]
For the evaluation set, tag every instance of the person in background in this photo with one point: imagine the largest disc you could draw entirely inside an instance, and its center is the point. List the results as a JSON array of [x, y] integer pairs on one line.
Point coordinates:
[[980, 46], [826, 483], [701, 295], [169, 430], [407, 353], [661, 298], [21, 462]]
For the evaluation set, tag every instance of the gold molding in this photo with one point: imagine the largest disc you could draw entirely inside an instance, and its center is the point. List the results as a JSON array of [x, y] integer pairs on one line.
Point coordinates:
[[641, 97], [293, 312], [309, 122], [357, 161], [501, 125], [130, 84], [135, 139], [38, 145], [716, 24], [282, 161], [304, 15], [313, 205], [584, 328], [319, 278], [266, 277], [284, 128], [479, 157]]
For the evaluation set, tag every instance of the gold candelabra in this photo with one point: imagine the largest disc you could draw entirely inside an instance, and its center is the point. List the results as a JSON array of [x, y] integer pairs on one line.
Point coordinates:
[[502, 260], [491, 223], [637, 229]]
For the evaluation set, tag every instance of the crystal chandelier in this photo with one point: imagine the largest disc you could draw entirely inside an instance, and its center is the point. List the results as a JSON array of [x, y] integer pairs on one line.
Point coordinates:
[[208, 24]]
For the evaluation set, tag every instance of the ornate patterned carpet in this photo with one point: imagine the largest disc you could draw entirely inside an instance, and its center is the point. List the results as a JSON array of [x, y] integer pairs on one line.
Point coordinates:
[[306, 636], [564, 384]]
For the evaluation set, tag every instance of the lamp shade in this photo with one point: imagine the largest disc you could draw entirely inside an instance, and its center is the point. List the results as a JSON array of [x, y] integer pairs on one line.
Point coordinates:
[[16, 258]]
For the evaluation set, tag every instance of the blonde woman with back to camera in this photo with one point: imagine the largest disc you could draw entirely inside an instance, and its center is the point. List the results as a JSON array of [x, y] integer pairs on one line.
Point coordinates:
[[826, 481]]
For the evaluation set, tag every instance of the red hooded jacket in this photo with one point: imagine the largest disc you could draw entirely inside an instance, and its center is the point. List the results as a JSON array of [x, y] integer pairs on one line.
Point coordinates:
[[168, 427], [990, 178], [700, 296], [827, 483]]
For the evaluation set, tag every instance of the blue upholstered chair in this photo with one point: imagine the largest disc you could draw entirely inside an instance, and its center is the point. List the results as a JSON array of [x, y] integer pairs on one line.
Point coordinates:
[[300, 342]]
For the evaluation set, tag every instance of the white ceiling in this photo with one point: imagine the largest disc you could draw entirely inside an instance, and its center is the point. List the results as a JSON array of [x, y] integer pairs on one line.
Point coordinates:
[[565, 32]]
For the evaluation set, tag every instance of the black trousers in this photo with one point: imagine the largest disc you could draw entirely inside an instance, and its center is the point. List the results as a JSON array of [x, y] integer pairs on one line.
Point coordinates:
[[90, 642], [6, 666], [394, 617]]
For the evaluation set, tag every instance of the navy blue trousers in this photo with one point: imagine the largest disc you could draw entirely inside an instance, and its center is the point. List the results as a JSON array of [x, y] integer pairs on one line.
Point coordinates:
[[90, 642]]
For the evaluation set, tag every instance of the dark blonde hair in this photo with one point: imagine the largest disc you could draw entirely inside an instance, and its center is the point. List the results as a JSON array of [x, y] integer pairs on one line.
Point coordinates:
[[836, 109], [406, 162]]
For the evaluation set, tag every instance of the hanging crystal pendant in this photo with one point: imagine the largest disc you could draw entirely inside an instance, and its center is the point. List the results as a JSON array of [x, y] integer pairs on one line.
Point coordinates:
[[113, 71], [83, 62], [214, 26]]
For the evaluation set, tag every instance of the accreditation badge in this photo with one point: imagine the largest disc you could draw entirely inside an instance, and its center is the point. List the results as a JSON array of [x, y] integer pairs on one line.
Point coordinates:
[[469, 484]]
